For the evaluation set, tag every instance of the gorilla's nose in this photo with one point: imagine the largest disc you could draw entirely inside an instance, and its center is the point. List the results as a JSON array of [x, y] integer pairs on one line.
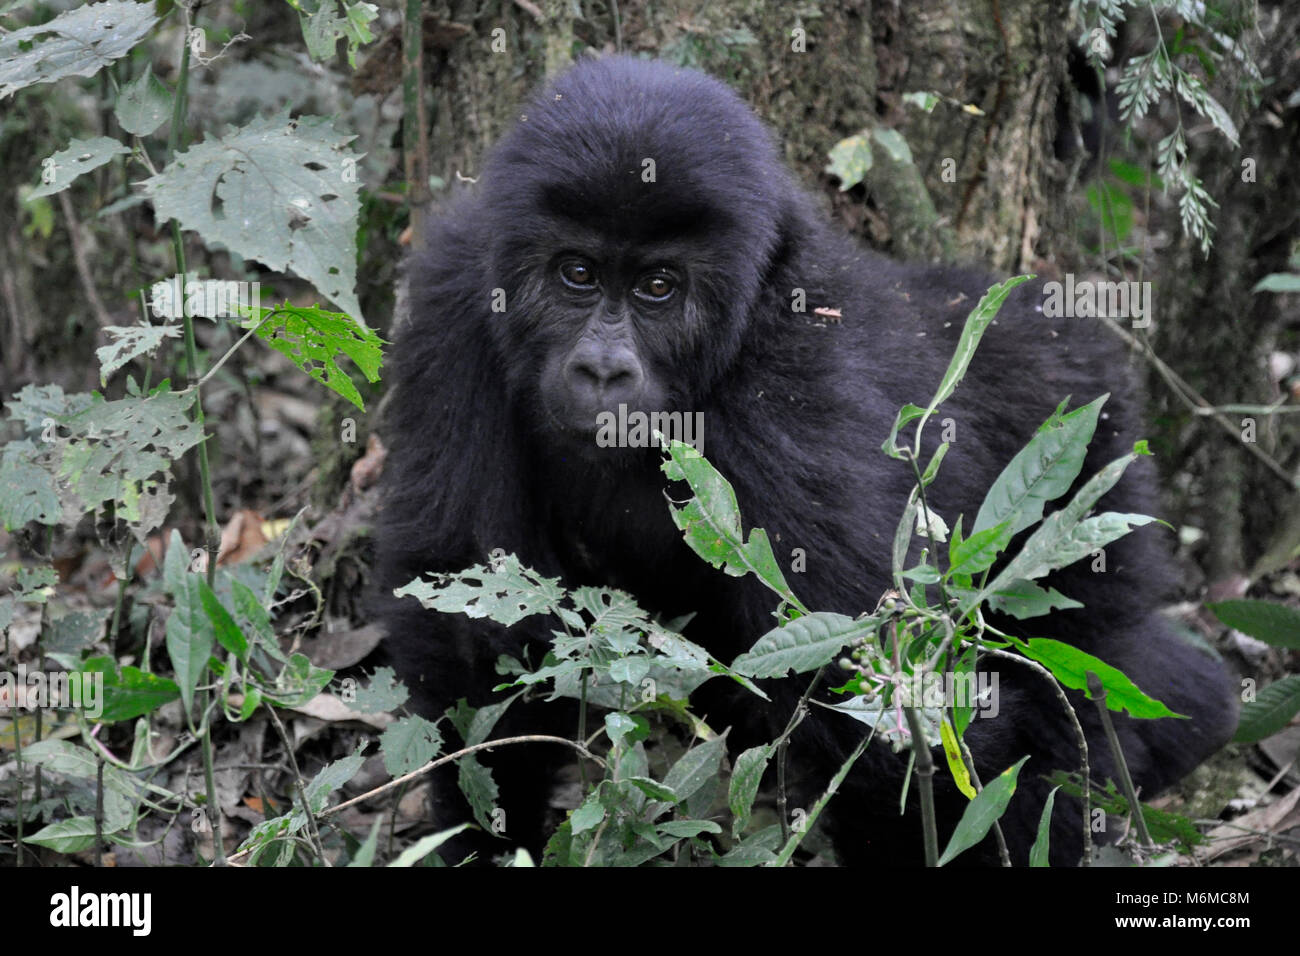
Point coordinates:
[[604, 375]]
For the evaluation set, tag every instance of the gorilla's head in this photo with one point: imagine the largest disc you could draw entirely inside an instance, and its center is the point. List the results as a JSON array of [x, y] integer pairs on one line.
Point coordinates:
[[635, 212]]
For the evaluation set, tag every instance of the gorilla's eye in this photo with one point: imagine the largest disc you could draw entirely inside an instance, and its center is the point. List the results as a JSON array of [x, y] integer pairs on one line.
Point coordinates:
[[578, 274], [657, 286]]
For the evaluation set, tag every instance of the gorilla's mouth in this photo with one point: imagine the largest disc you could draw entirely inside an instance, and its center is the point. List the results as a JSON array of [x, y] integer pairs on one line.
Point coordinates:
[[624, 427]]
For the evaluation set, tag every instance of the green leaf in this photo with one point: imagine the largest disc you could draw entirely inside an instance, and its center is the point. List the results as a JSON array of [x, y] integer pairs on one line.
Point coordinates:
[[27, 490], [254, 619], [130, 342], [118, 452], [121, 791], [618, 726], [894, 144], [922, 100], [485, 718], [850, 160], [787, 851], [365, 855], [757, 849], [1278, 282], [323, 29], [79, 42], [695, 767], [1040, 852], [144, 104], [1070, 666], [506, 593], [745, 778], [677, 829], [132, 693], [480, 790], [313, 339], [711, 522], [907, 414], [252, 700], [421, 848], [75, 631], [1113, 208], [932, 469], [654, 789], [331, 777], [383, 694], [982, 812], [976, 323], [298, 682], [408, 744], [1042, 471], [1270, 711], [804, 644], [1268, 621], [81, 156], [980, 550], [189, 632], [1065, 536], [1025, 599], [225, 629], [67, 836], [275, 191], [588, 815]]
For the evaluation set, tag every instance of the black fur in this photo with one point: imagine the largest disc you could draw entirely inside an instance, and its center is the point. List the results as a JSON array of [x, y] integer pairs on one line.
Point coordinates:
[[484, 452]]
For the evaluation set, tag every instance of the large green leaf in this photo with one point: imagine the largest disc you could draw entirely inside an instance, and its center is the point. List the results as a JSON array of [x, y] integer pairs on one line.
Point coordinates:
[[1040, 472], [982, 812], [1268, 621], [1270, 711], [79, 42], [275, 191], [1070, 666], [804, 644], [189, 630], [711, 524]]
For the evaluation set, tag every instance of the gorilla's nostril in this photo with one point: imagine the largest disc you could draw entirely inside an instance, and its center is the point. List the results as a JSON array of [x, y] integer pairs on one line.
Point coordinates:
[[604, 371]]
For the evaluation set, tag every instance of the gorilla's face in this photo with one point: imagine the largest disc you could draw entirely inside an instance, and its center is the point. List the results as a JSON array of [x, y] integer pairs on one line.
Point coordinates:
[[636, 313], [616, 316], [629, 246]]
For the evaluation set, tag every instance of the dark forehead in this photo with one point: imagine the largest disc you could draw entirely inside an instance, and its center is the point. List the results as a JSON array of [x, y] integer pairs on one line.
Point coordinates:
[[636, 149], [640, 215]]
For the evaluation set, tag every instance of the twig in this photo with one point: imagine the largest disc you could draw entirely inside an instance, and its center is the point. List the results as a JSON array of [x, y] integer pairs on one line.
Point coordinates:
[[435, 764], [1097, 691], [313, 831], [1080, 739], [83, 266]]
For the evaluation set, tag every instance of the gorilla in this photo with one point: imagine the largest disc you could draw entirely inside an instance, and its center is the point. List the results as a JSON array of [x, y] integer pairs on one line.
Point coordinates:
[[635, 241]]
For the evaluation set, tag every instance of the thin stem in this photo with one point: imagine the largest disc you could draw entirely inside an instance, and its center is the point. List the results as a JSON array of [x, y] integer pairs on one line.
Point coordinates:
[[1097, 691], [1080, 739], [925, 784]]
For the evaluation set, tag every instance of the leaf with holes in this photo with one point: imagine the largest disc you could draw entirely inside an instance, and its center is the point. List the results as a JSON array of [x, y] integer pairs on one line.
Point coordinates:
[[129, 342], [313, 339], [281, 191], [80, 42], [82, 155]]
